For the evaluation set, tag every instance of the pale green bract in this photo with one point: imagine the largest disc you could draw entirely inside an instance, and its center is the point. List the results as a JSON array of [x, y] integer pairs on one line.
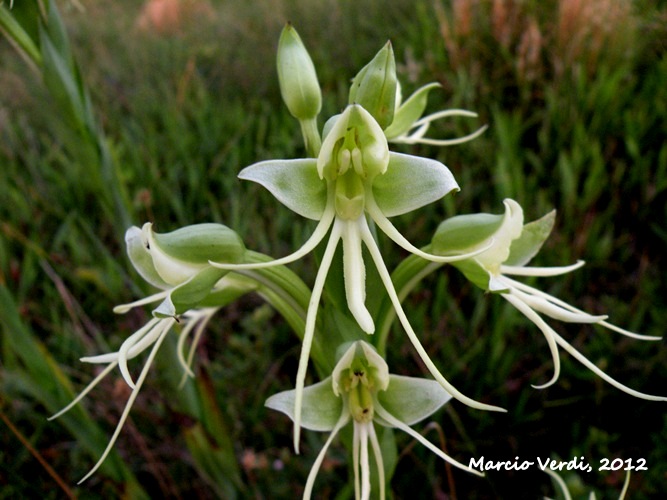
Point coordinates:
[[362, 390], [509, 246]]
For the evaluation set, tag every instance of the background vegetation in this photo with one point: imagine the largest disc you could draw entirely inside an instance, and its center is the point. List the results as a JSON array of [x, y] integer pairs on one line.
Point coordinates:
[[575, 95]]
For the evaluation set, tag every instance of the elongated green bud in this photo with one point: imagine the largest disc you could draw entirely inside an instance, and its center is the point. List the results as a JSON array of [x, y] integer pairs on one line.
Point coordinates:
[[296, 74], [374, 87]]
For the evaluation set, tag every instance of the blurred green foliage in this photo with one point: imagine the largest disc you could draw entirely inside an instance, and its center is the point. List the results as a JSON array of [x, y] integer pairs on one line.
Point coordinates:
[[576, 101]]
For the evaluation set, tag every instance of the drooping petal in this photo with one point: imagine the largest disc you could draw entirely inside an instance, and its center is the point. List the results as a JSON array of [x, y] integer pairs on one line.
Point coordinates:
[[543, 305], [411, 182], [318, 235], [374, 251], [540, 271], [312, 475], [128, 406], [565, 305], [321, 408], [592, 367], [295, 183], [425, 397], [388, 228], [394, 422], [309, 330], [547, 331]]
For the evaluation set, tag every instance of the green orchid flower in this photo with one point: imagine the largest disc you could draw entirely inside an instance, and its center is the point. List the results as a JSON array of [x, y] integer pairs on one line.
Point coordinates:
[[409, 127], [355, 178], [192, 292], [361, 389], [509, 246]]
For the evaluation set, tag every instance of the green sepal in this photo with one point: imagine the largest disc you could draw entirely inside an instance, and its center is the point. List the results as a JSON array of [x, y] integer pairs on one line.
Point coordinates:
[[200, 243], [411, 182], [294, 183], [409, 112], [533, 236], [375, 86], [321, 408], [412, 399], [189, 294], [465, 232]]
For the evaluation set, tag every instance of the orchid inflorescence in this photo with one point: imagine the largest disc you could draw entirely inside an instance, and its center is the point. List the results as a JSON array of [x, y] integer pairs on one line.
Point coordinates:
[[351, 183]]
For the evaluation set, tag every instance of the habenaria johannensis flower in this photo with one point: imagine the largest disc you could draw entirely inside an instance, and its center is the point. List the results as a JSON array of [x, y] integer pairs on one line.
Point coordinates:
[[362, 390], [510, 245], [354, 177], [192, 292]]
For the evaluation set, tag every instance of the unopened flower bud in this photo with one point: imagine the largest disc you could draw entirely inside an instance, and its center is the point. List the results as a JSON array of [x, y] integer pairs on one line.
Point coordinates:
[[375, 87], [296, 73]]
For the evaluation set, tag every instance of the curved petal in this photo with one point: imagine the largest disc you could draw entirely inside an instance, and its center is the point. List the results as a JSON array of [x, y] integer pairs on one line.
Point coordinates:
[[295, 183], [591, 366], [411, 182], [367, 237], [394, 422], [547, 331], [393, 233], [312, 475]]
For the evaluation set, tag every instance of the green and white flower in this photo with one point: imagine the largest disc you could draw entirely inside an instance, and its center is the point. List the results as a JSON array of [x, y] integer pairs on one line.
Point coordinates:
[[192, 292], [509, 245], [355, 178], [361, 389]]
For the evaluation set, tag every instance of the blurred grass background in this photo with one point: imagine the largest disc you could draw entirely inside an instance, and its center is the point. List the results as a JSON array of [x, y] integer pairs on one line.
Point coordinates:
[[575, 95]]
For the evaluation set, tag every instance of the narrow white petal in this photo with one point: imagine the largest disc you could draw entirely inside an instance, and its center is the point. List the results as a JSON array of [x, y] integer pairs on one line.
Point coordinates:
[[309, 329], [540, 271], [363, 458], [354, 272], [561, 484], [310, 482], [114, 356], [547, 331], [393, 233], [139, 344], [592, 367], [86, 390], [128, 406], [377, 453], [356, 440], [367, 237], [123, 308], [411, 139], [555, 311], [445, 113], [318, 235], [198, 324], [394, 422], [534, 291]]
